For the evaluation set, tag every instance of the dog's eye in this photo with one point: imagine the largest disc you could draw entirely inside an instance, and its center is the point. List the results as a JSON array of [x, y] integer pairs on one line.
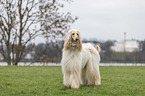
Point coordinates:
[[73, 34], [77, 34]]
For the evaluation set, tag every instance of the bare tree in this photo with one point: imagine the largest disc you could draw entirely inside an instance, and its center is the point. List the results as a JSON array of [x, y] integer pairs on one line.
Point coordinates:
[[23, 20]]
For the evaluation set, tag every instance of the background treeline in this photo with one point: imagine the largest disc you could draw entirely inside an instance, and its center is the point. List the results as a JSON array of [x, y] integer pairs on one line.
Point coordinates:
[[107, 55], [49, 52]]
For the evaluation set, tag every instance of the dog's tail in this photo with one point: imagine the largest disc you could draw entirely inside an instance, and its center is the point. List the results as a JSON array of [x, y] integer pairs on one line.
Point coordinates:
[[98, 48]]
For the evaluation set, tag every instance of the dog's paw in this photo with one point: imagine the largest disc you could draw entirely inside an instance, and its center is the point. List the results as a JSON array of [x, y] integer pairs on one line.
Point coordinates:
[[66, 84], [97, 83], [75, 86]]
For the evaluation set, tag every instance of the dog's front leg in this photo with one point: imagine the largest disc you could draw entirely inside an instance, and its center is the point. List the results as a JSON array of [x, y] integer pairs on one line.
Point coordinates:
[[75, 77], [71, 78], [66, 79]]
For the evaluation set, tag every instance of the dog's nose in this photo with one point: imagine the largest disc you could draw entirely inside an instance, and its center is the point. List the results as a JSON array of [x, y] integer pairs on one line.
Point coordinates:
[[77, 39]]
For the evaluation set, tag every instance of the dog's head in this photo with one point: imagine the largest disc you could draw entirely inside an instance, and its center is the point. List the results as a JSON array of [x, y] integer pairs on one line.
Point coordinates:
[[73, 39]]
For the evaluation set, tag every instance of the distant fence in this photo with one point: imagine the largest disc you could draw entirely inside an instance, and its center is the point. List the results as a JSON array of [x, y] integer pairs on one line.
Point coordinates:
[[58, 64], [122, 64]]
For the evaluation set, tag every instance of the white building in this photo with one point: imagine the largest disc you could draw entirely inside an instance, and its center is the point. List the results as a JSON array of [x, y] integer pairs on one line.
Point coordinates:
[[28, 56], [127, 46]]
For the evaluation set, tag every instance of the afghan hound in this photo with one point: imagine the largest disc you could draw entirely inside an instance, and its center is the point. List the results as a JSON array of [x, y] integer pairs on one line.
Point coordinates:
[[80, 62]]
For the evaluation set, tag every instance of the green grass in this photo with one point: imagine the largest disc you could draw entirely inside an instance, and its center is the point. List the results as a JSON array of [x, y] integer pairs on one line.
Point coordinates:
[[47, 81]]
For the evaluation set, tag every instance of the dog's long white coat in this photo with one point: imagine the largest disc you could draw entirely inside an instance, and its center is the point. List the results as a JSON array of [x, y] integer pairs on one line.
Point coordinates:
[[81, 66]]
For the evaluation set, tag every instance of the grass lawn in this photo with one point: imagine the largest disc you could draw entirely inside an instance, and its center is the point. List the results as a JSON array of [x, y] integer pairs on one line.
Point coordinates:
[[47, 81]]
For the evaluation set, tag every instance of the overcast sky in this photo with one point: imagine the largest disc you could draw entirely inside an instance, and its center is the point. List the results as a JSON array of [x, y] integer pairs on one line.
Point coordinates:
[[108, 19]]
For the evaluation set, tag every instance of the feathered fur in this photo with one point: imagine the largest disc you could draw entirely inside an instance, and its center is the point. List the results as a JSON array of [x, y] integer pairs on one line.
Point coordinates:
[[80, 62]]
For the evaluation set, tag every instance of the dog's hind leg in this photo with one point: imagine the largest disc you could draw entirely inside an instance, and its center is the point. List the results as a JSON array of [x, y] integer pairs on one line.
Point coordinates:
[[97, 77], [92, 73], [89, 72]]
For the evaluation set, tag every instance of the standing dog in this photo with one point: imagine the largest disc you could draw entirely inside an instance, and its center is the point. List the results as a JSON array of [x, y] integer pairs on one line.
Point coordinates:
[[80, 62]]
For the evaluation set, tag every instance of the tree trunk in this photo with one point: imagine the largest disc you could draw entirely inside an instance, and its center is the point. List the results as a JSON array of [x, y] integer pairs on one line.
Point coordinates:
[[9, 62]]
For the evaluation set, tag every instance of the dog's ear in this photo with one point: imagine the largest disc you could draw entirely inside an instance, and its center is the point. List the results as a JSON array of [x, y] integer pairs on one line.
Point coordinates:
[[67, 43], [79, 46]]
